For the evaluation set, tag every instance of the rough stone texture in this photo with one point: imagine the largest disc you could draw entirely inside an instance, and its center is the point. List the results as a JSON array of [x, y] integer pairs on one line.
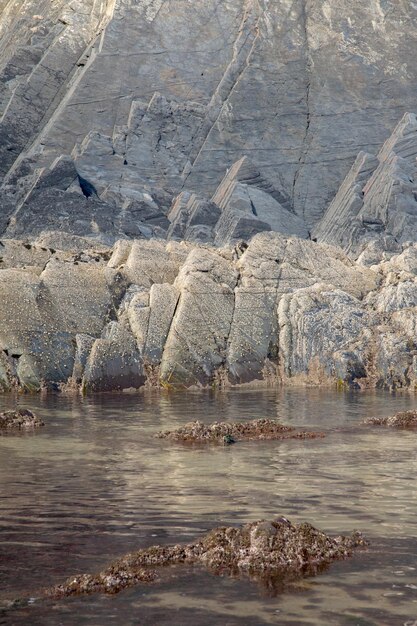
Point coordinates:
[[176, 314], [20, 419], [378, 195], [154, 97], [318, 325], [197, 339], [163, 300], [403, 419], [271, 552], [114, 362], [230, 432]]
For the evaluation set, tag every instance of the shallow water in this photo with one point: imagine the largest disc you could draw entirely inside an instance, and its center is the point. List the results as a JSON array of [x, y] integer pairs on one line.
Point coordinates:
[[94, 484]]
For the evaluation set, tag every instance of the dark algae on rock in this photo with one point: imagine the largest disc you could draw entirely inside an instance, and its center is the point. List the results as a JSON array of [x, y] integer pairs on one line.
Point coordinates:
[[20, 419], [262, 550], [230, 432], [403, 419]]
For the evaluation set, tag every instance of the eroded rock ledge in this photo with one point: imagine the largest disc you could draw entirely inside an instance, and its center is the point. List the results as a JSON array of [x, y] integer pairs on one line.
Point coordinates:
[[77, 315]]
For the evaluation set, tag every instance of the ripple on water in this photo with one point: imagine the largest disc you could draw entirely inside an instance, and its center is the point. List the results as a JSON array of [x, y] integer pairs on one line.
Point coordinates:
[[95, 484]]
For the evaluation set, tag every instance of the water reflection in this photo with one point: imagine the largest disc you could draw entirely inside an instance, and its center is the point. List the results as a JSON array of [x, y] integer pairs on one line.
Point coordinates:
[[95, 483]]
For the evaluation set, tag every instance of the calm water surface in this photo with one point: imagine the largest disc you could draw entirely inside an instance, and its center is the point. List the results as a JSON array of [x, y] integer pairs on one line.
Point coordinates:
[[94, 484]]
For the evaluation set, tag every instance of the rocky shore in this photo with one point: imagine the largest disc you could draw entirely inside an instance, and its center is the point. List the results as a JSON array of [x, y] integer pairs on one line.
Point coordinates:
[[275, 310], [245, 215], [403, 419]]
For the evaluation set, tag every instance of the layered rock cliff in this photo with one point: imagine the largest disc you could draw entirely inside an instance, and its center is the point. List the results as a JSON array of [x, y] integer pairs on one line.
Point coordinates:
[[179, 315], [200, 192]]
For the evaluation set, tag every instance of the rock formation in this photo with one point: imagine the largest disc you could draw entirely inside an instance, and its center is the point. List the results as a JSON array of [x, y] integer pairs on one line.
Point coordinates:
[[178, 314], [196, 194], [272, 552], [403, 419], [162, 94], [230, 432], [19, 419]]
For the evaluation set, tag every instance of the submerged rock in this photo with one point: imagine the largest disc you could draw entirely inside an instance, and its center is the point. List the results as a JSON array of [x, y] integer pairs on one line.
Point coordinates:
[[111, 580], [403, 419], [20, 419], [266, 550], [229, 432]]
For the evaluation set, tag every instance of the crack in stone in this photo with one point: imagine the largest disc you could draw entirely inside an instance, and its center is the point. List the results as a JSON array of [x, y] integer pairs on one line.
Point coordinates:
[[243, 47], [305, 144]]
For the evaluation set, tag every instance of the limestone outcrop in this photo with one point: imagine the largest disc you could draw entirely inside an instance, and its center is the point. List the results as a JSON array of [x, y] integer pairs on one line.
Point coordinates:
[[278, 309]]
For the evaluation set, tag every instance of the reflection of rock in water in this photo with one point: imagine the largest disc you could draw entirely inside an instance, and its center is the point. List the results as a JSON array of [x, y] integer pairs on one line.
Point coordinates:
[[403, 419], [229, 432], [270, 552]]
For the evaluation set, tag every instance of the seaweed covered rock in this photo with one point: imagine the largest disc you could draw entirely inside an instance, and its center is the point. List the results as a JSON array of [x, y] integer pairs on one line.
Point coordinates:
[[403, 419], [272, 547], [20, 419], [111, 580], [222, 432], [266, 550]]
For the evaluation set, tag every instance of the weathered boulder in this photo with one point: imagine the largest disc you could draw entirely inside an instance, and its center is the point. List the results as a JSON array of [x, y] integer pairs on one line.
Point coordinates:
[[154, 261], [318, 325], [30, 334], [197, 341], [80, 294], [114, 362]]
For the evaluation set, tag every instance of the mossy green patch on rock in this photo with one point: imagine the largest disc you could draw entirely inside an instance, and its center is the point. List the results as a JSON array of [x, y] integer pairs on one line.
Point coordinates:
[[220, 432], [263, 550], [403, 419]]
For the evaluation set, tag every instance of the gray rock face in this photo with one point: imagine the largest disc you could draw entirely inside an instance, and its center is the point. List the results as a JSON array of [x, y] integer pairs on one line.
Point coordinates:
[[114, 362], [378, 197], [197, 339], [318, 325], [160, 95], [179, 315], [164, 166]]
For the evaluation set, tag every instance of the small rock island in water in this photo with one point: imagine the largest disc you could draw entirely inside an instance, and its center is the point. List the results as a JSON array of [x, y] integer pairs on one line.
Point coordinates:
[[230, 432], [403, 419], [262, 550], [20, 419]]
